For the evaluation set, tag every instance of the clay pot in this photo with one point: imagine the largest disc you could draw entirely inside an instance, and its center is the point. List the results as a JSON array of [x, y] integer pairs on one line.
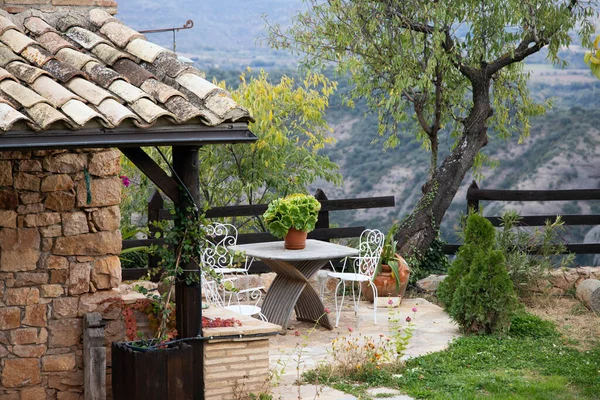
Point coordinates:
[[295, 239], [385, 282]]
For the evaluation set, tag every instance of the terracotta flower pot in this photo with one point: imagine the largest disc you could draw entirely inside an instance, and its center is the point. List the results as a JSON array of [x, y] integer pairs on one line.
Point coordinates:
[[295, 239], [385, 282]]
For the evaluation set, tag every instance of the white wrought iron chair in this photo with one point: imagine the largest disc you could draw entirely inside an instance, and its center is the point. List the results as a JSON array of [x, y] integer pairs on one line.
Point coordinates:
[[370, 247], [212, 289], [216, 252]]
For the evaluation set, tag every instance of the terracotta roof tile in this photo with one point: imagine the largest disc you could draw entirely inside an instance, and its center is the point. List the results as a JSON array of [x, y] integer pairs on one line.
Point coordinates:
[[44, 115], [61, 71], [74, 58], [6, 24], [16, 40], [83, 69], [115, 112], [145, 50], [21, 94], [37, 26], [37, 55], [159, 90], [86, 39], [135, 73], [86, 89], [101, 75], [82, 114], [9, 116], [127, 91], [120, 34], [25, 72], [109, 54], [99, 17], [56, 93], [53, 42], [7, 56]]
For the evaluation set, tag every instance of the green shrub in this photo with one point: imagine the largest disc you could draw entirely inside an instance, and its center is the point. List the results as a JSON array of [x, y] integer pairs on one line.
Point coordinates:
[[478, 293], [524, 324], [530, 255], [433, 262]]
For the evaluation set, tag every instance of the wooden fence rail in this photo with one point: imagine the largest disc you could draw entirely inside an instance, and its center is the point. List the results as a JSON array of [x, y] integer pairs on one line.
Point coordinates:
[[475, 195], [323, 231]]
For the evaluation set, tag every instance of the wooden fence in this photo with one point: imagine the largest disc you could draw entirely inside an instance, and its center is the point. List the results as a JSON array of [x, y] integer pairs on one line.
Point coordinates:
[[475, 195], [323, 231]]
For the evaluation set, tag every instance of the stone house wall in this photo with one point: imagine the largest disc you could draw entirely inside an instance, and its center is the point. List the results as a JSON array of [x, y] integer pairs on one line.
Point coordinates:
[[17, 6], [59, 246]]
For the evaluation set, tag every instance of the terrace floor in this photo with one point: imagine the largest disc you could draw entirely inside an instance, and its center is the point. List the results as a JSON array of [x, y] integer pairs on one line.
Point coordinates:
[[301, 348]]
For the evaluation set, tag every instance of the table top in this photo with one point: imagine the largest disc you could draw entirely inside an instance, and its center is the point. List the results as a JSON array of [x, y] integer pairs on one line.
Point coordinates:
[[314, 250]]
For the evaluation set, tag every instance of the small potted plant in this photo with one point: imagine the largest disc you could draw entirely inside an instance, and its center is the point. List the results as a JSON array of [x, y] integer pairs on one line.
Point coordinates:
[[392, 274], [291, 218]]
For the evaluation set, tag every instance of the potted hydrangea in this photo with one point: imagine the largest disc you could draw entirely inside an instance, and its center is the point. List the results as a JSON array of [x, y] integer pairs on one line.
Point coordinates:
[[291, 218]]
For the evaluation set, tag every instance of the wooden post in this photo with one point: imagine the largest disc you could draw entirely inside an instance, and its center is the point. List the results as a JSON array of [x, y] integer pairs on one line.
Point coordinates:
[[94, 357], [155, 204], [188, 297], [471, 202], [188, 314], [323, 218]]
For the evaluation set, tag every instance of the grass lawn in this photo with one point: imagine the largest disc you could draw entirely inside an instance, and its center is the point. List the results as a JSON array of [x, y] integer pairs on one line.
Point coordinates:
[[536, 361]]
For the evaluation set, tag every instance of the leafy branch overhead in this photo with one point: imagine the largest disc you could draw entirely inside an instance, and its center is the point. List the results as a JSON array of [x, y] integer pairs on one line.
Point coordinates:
[[441, 68]]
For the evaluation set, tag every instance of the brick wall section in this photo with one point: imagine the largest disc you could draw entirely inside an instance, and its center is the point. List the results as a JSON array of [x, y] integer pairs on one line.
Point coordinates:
[[58, 260], [17, 6], [234, 369]]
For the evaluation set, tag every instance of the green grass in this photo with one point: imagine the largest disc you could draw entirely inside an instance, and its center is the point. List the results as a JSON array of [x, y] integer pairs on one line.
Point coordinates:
[[535, 363]]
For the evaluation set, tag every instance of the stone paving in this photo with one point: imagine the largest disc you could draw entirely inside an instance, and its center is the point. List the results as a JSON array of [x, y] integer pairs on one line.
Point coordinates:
[[433, 330]]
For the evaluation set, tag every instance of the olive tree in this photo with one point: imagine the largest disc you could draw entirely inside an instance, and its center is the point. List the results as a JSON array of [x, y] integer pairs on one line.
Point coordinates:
[[451, 68]]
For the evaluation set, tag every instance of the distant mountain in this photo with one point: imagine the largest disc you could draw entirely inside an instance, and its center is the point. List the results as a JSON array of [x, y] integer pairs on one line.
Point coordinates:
[[222, 29]]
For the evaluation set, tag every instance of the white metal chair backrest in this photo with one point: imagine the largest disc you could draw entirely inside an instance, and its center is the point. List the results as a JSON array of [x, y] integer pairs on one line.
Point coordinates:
[[370, 247], [216, 254]]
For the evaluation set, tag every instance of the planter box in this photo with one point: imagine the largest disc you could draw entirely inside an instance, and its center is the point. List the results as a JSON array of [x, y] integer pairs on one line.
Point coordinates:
[[157, 373]]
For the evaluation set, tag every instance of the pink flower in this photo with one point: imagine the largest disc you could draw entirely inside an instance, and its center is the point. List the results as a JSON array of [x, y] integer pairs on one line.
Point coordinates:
[[390, 302], [414, 309], [125, 180], [408, 319], [296, 333], [327, 310], [350, 329]]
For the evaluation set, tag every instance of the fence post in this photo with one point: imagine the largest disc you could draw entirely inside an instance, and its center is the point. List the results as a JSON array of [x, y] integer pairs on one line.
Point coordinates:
[[94, 357], [155, 204], [323, 218], [472, 203]]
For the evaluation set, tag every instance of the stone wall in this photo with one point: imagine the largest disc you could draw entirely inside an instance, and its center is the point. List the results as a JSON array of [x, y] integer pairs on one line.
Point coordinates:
[[17, 6], [59, 246]]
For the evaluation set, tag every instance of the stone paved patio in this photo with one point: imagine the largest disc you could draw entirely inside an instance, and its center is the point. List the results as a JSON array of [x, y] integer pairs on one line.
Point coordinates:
[[433, 331]]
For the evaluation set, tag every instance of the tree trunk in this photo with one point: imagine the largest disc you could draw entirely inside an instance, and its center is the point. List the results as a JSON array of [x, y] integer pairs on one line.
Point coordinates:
[[419, 229]]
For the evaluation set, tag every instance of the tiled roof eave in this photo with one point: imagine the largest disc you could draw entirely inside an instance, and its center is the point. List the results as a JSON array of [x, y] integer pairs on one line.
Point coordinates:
[[158, 135]]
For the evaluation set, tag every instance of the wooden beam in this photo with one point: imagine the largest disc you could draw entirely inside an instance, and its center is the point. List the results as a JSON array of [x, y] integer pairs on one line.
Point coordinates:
[[533, 195], [153, 171]]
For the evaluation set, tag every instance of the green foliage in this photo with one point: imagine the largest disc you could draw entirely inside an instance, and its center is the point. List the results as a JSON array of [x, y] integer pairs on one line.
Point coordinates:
[[478, 293], [528, 325], [388, 255], [291, 130], [524, 368], [434, 261], [298, 211], [531, 254]]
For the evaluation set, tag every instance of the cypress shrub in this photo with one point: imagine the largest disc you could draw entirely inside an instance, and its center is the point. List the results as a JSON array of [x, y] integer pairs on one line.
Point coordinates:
[[478, 293]]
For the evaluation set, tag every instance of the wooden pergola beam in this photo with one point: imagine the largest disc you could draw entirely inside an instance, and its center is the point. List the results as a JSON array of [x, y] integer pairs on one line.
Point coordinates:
[[153, 171]]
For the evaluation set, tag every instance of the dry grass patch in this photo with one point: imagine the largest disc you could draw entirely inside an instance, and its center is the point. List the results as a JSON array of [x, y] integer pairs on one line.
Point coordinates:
[[572, 319]]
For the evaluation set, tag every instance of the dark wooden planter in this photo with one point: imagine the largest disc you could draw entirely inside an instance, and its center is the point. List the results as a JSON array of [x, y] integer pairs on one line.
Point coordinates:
[[153, 373]]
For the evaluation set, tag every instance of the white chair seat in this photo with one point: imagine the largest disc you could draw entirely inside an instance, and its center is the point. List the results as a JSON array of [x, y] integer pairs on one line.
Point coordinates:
[[349, 276], [226, 271], [244, 309]]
